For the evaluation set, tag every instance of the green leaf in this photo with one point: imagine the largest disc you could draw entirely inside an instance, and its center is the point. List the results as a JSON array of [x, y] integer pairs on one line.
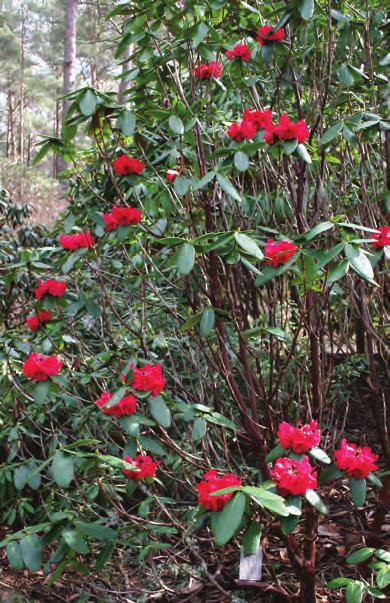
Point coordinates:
[[207, 322], [318, 229], [185, 259], [30, 547], [226, 522], [383, 577], [96, 531], [302, 152], [40, 392], [191, 322], [160, 411], [345, 76], [289, 146], [320, 455], [176, 125], [306, 9], [329, 474], [375, 592], [268, 500], [339, 582], [152, 445], [288, 524], [331, 133], [75, 541], [337, 272], [62, 469], [34, 475], [14, 555], [126, 122], [181, 186], [360, 262], [383, 555], [267, 52], [354, 592], [360, 556], [117, 463], [219, 419], [199, 35], [199, 429], [241, 161], [315, 500], [248, 245], [358, 488], [275, 453], [374, 480], [88, 103], [20, 477], [228, 187], [104, 556], [251, 538]]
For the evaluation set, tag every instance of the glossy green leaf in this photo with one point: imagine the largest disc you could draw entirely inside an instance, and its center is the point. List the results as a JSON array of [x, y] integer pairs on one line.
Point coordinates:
[[354, 592], [361, 555], [207, 322], [251, 538], [14, 555], [126, 122], [358, 488], [241, 161], [88, 103], [75, 541], [268, 500], [225, 523], [62, 469], [31, 550], [185, 259], [320, 455], [96, 530], [306, 9], [176, 125], [248, 245], [302, 152], [228, 187], [359, 262], [160, 411], [199, 429], [331, 133], [315, 500]]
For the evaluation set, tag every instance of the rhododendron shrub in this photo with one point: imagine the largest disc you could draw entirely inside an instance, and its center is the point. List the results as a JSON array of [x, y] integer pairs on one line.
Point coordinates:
[[215, 370]]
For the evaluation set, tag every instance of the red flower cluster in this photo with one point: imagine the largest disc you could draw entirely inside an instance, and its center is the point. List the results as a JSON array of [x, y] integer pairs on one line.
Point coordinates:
[[171, 175], [122, 216], [126, 406], [150, 377], [299, 439], [34, 322], [241, 51], [40, 367], [265, 37], [287, 130], [146, 465], [211, 70], [250, 123], [211, 483], [355, 461], [50, 287], [77, 241], [279, 252], [124, 165], [382, 237], [294, 477]]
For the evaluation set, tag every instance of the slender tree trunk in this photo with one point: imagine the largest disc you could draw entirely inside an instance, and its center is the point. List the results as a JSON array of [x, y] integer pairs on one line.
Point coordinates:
[[126, 66], [21, 94], [11, 128], [69, 58]]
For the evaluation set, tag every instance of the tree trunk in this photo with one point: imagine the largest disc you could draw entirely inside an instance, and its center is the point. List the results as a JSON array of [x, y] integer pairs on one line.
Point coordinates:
[[69, 58], [126, 66], [11, 146], [21, 94]]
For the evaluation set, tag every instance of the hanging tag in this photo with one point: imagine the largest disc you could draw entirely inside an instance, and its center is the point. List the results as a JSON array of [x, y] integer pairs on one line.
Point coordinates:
[[251, 565]]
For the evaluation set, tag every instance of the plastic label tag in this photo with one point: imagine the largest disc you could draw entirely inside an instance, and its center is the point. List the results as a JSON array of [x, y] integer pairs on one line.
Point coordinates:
[[251, 565]]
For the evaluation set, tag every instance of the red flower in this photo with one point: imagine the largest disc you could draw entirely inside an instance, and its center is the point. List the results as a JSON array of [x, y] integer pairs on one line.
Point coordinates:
[[279, 252], [382, 237], [287, 130], [146, 465], [294, 477], [241, 51], [355, 461], [124, 165], [204, 71], [211, 483], [126, 216], [33, 322], [50, 287], [264, 37], [246, 130], [261, 119], [77, 241], [111, 223], [299, 439], [40, 367], [126, 406], [149, 377], [171, 175]]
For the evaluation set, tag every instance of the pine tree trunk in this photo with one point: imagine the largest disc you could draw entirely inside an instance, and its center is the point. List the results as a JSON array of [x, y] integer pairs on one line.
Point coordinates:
[[21, 94], [126, 66], [69, 58]]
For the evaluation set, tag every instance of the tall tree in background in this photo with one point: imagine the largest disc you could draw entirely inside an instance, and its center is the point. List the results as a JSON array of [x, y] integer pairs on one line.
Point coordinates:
[[69, 50]]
